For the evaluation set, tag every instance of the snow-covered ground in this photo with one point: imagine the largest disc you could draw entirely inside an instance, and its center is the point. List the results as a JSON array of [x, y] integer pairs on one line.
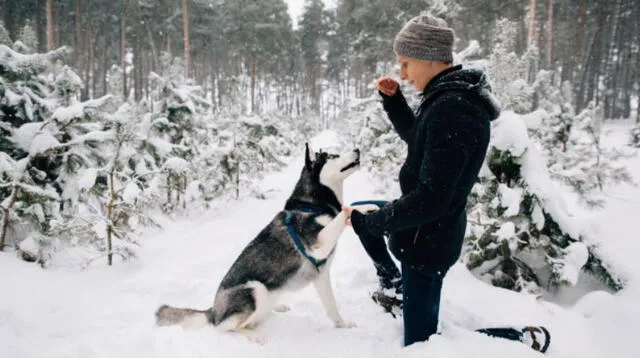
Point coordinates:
[[108, 311]]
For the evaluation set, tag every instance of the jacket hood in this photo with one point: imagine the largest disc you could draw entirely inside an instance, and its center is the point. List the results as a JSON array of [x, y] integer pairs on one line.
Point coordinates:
[[470, 79]]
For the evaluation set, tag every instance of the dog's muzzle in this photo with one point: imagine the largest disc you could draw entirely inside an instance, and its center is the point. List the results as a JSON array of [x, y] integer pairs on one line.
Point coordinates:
[[353, 164]]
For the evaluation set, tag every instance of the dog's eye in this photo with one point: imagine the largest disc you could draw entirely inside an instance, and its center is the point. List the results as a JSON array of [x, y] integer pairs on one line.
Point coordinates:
[[333, 156]]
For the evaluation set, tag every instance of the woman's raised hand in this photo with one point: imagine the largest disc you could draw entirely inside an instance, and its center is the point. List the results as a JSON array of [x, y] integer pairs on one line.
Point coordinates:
[[387, 85]]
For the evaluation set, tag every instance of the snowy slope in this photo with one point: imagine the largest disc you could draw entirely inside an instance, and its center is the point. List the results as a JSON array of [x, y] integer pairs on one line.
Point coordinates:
[[108, 312]]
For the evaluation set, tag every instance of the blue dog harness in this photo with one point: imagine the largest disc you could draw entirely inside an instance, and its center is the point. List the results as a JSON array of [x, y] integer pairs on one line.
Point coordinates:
[[288, 216], [296, 240]]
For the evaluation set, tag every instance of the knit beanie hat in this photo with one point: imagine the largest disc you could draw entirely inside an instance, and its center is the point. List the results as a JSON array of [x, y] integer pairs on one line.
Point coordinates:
[[425, 37]]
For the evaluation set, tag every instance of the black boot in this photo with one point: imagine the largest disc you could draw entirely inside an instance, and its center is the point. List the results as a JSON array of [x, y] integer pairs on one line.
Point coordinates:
[[389, 294]]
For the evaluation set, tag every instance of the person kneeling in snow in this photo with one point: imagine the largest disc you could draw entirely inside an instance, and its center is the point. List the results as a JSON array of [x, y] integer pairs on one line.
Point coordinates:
[[447, 142]]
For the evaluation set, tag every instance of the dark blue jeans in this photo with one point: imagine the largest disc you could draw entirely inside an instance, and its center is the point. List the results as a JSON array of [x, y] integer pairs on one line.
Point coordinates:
[[420, 303]]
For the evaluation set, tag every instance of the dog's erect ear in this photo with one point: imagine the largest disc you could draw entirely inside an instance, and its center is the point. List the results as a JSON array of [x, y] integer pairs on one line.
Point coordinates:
[[309, 156]]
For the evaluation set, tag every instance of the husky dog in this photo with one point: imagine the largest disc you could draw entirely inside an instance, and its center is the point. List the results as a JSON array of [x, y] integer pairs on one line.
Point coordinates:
[[296, 248]]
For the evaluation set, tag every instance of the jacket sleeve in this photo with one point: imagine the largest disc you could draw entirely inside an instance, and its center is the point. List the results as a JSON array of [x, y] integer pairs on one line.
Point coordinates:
[[447, 148], [399, 113]]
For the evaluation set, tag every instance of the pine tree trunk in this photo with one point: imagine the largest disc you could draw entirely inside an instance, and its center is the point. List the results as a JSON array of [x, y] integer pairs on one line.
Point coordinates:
[[123, 47], [154, 51], [582, 12], [214, 86], [94, 68], [78, 32], [57, 20], [254, 70], [532, 23], [610, 67], [110, 205], [87, 67], [6, 211], [104, 69], [38, 26], [219, 90], [5, 13], [50, 38], [168, 189], [137, 67], [187, 45], [550, 35]]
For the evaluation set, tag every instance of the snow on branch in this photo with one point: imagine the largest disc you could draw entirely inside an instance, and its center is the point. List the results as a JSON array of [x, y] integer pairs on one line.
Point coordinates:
[[16, 65]]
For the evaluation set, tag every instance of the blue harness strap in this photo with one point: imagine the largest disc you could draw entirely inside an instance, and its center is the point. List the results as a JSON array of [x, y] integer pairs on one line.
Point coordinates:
[[296, 240]]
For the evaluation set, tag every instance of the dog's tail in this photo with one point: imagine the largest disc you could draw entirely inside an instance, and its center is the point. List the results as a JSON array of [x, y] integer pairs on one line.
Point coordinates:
[[186, 317]]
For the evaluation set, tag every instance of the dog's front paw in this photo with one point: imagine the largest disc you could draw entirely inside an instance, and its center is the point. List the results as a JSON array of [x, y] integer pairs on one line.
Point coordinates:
[[366, 208], [341, 323]]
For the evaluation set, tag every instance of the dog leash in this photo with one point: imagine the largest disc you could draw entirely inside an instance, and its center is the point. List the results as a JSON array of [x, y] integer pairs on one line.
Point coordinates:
[[378, 203]]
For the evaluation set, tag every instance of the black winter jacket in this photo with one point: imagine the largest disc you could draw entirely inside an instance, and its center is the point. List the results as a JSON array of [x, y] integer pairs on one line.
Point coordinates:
[[447, 143]]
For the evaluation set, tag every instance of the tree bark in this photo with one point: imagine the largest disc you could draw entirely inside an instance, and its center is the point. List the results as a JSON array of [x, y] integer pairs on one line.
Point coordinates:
[[610, 68], [78, 32], [50, 38], [577, 58], [532, 23], [187, 44], [137, 69], [254, 70], [104, 68], [87, 67], [6, 211], [38, 26], [550, 35], [123, 47], [5, 13], [154, 51]]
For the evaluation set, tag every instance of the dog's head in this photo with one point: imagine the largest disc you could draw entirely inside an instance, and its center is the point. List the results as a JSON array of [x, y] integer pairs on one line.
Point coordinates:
[[331, 169]]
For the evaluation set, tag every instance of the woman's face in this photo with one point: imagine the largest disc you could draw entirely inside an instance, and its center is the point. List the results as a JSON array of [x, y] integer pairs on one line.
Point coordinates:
[[419, 73]]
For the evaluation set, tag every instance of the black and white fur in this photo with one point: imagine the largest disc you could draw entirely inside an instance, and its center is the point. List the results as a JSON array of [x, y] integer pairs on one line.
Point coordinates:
[[271, 263]]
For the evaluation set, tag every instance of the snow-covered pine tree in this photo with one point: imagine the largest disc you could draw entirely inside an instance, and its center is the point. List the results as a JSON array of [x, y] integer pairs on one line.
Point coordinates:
[[178, 129], [521, 234], [250, 146], [509, 73], [27, 40], [124, 187], [554, 115], [55, 158], [28, 194], [589, 166]]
